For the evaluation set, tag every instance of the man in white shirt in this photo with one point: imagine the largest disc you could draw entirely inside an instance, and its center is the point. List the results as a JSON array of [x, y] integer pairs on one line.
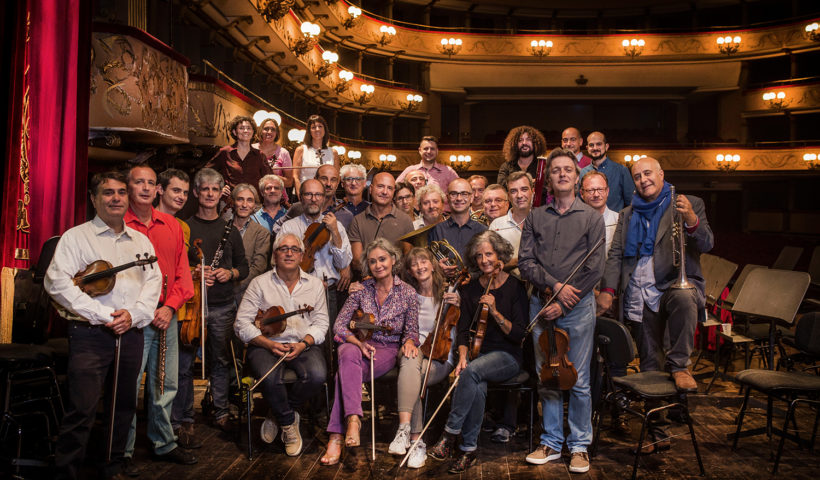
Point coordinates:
[[519, 189], [595, 192], [336, 254], [120, 313], [286, 286]]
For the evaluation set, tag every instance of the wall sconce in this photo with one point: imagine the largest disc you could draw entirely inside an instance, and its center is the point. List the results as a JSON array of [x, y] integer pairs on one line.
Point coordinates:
[[728, 45], [344, 81], [353, 13], [303, 45], [811, 161], [295, 137], [354, 155], [385, 162], [365, 95], [728, 162], [460, 163], [274, 9], [262, 115], [634, 47], [812, 33], [328, 59], [633, 158], [776, 101], [450, 46], [412, 103], [540, 48], [387, 34], [340, 151]]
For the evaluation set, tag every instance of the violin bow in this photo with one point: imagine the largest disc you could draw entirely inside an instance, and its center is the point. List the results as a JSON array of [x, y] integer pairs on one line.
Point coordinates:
[[415, 444], [439, 319], [256, 383], [114, 394], [372, 406]]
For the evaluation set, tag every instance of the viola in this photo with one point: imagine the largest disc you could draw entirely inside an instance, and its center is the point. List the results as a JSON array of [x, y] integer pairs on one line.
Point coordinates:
[[99, 277], [190, 315], [316, 237], [273, 321], [558, 372], [480, 319], [363, 325]]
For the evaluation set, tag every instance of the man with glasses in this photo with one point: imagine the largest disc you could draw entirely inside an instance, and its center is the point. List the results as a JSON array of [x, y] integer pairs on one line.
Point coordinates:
[[354, 179], [459, 228], [336, 254], [271, 187], [594, 192], [495, 202], [479, 184], [290, 288]]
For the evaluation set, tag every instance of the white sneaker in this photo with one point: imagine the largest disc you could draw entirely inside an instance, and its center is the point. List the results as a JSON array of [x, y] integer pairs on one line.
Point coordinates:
[[269, 430], [292, 437], [418, 456], [401, 442]]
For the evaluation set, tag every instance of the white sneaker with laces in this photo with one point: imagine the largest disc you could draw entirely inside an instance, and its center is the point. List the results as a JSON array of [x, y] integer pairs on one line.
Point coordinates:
[[401, 442], [418, 456], [269, 430]]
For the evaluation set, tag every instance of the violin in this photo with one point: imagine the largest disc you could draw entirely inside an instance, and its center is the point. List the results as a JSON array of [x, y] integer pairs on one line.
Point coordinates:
[[316, 237], [273, 321], [99, 277], [363, 325], [480, 319], [558, 372], [438, 343], [190, 315]]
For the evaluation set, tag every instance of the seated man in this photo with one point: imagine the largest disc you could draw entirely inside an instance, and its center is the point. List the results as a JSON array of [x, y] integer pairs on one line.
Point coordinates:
[[288, 287], [430, 200]]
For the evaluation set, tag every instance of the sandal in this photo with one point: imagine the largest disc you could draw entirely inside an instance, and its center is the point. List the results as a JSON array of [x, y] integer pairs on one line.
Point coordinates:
[[352, 436], [327, 459]]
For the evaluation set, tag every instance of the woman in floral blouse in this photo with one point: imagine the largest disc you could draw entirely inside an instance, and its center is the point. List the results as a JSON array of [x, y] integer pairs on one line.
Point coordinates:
[[394, 305]]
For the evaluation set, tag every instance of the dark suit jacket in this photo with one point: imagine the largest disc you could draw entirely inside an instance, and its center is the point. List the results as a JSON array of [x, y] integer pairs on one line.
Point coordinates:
[[619, 268]]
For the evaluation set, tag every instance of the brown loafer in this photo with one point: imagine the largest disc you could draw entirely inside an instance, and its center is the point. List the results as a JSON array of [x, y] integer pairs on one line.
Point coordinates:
[[684, 381], [650, 448]]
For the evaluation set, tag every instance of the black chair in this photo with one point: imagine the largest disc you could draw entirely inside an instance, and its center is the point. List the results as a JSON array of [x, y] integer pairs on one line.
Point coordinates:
[[616, 347], [806, 340], [520, 383], [788, 258], [791, 387]]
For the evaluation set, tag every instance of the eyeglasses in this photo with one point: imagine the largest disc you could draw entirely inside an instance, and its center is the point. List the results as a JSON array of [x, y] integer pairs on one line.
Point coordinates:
[[285, 249], [499, 201], [404, 198], [459, 194], [353, 179], [313, 194], [271, 188], [594, 190]]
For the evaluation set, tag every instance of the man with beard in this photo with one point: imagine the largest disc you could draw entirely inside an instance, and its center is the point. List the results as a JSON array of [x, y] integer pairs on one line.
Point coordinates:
[[336, 254], [354, 178], [620, 182], [496, 203], [459, 228], [521, 148], [430, 200], [436, 173], [572, 140], [255, 238]]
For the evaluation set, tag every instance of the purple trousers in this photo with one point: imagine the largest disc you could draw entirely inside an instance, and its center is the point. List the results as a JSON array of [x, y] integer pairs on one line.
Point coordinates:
[[354, 369]]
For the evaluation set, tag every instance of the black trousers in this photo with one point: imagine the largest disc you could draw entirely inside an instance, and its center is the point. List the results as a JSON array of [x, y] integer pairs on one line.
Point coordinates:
[[91, 360]]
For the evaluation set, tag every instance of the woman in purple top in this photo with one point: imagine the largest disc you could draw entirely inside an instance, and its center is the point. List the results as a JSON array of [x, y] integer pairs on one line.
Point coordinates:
[[276, 156], [395, 306]]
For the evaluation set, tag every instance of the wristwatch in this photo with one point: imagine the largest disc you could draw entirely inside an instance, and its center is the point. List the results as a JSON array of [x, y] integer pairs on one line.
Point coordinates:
[[307, 345]]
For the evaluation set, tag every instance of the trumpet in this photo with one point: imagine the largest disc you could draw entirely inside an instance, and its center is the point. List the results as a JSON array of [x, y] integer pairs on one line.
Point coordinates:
[[679, 247]]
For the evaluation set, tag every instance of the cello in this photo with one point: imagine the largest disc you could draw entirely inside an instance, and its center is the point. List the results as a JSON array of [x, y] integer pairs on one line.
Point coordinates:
[[316, 237]]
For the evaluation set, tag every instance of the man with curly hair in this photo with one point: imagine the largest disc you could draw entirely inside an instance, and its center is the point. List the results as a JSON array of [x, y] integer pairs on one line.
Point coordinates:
[[521, 148]]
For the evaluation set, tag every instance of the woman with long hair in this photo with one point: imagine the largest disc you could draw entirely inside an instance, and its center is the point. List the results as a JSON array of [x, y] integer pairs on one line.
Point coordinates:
[[277, 156], [313, 152]]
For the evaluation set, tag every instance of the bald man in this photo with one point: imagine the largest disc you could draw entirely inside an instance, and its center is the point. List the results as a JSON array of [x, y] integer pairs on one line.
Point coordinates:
[[459, 228], [572, 140], [640, 271], [618, 177]]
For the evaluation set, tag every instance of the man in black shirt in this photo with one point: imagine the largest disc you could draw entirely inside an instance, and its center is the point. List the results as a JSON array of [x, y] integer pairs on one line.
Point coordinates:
[[225, 265], [522, 147]]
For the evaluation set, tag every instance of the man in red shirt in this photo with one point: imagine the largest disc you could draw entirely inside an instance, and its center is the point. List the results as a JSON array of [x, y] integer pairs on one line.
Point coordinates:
[[166, 236]]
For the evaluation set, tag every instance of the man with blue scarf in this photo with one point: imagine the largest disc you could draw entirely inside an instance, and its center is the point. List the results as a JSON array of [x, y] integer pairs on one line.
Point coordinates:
[[640, 269]]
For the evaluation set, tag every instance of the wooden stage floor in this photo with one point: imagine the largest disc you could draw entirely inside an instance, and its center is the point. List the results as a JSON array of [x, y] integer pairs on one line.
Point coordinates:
[[223, 458]]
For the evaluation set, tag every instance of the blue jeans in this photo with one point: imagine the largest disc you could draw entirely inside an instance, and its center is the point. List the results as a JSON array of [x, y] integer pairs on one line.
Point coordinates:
[[219, 335], [467, 409], [183, 404], [580, 326], [310, 370], [158, 407]]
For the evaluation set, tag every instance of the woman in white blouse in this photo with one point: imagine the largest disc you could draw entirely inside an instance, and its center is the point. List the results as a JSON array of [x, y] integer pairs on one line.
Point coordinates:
[[313, 152]]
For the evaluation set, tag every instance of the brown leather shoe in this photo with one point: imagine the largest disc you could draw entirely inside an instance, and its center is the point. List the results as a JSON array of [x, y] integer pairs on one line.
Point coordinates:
[[684, 381], [649, 448]]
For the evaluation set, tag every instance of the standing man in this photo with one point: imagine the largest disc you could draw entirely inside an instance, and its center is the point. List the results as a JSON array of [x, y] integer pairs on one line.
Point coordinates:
[[335, 255], [286, 286], [595, 192], [382, 218], [459, 228], [521, 148], [255, 238], [166, 236], [572, 140], [271, 187], [98, 321], [509, 226], [437, 173], [172, 191], [354, 178], [640, 271], [496, 203], [555, 238], [430, 200], [225, 266], [620, 182]]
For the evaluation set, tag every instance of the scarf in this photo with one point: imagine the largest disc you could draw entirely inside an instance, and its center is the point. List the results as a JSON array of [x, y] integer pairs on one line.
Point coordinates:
[[643, 225]]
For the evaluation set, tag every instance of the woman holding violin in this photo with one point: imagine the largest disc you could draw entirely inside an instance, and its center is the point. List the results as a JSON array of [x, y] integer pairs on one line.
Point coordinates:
[[262, 322], [387, 308], [489, 334]]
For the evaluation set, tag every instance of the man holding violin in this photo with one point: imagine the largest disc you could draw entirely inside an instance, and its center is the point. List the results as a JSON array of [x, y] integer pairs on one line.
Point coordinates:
[[555, 239], [290, 288], [100, 318]]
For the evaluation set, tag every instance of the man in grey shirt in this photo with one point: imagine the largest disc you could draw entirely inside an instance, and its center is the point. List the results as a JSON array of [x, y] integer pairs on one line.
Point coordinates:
[[555, 238]]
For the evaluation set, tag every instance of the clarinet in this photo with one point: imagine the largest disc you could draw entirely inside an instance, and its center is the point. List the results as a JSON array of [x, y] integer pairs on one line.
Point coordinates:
[[220, 249], [163, 347]]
